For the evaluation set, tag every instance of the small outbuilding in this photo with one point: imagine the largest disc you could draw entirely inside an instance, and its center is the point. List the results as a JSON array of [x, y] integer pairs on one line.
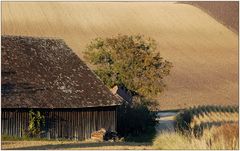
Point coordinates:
[[45, 75], [123, 93]]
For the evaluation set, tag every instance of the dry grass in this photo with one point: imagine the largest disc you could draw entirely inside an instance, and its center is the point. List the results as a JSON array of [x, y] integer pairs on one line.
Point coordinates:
[[169, 141], [204, 52], [69, 145], [223, 137], [217, 117]]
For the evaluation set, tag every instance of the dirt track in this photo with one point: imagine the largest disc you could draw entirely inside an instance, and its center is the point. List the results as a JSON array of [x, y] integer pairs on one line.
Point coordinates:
[[166, 121], [73, 145], [203, 51]]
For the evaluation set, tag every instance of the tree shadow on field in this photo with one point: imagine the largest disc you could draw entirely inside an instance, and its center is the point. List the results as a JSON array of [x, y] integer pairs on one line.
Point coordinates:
[[80, 145]]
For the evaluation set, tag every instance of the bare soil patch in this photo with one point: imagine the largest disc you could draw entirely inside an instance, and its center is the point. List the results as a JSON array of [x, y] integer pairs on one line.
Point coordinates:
[[225, 12]]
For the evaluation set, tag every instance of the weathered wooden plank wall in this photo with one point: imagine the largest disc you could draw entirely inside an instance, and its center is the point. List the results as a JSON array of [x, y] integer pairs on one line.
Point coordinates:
[[61, 123]]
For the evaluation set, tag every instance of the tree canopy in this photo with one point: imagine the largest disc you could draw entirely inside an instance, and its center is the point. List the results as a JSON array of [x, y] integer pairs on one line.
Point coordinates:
[[132, 61]]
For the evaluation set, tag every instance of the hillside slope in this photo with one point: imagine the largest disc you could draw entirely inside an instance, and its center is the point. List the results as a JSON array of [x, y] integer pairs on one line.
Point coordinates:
[[226, 12], [204, 52]]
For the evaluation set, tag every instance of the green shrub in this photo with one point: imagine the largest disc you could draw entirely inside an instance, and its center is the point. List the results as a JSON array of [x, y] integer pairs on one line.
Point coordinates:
[[36, 124], [135, 120]]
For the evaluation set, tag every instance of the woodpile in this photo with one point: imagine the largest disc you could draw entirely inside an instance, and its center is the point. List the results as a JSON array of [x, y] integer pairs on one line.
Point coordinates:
[[103, 135], [98, 135]]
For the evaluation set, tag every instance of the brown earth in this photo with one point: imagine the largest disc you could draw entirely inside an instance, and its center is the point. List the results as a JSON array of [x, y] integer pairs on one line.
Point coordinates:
[[226, 12], [203, 51]]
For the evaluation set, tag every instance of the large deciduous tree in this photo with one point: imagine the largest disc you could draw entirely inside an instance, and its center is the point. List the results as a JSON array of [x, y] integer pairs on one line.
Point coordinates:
[[132, 61]]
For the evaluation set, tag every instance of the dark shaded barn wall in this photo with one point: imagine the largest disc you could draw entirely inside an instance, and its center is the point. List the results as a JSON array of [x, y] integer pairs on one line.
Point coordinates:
[[61, 123]]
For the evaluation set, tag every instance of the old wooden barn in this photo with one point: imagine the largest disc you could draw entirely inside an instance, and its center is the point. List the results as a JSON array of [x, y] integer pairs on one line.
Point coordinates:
[[45, 75]]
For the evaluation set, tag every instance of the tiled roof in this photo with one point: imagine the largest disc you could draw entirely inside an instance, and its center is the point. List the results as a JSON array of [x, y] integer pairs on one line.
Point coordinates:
[[46, 73]]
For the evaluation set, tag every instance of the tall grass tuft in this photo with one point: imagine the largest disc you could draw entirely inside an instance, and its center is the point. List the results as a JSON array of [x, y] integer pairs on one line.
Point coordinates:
[[222, 137], [172, 140], [198, 118]]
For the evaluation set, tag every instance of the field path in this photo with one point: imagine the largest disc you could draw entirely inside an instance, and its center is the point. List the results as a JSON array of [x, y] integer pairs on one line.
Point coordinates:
[[166, 121], [73, 145]]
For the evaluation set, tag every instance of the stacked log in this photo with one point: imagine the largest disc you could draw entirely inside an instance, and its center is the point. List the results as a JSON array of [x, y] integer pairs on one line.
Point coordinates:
[[103, 135], [98, 135]]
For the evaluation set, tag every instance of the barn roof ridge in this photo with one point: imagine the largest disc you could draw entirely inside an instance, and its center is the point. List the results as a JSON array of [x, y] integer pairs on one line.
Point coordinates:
[[45, 73], [38, 37]]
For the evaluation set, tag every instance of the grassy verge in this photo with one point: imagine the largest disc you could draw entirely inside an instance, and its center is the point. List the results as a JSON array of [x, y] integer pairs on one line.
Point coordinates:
[[196, 119], [25, 138], [76, 145], [147, 137], [223, 137]]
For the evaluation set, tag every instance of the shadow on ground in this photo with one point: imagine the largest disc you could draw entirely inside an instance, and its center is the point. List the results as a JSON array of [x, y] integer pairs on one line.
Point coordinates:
[[80, 145]]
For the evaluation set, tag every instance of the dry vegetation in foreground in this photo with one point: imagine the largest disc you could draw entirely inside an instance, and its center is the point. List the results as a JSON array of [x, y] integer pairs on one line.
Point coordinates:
[[222, 137], [200, 117], [86, 145]]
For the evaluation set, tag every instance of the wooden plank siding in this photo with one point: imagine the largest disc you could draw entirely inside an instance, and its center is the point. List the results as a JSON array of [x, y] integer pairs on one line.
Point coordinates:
[[77, 124]]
